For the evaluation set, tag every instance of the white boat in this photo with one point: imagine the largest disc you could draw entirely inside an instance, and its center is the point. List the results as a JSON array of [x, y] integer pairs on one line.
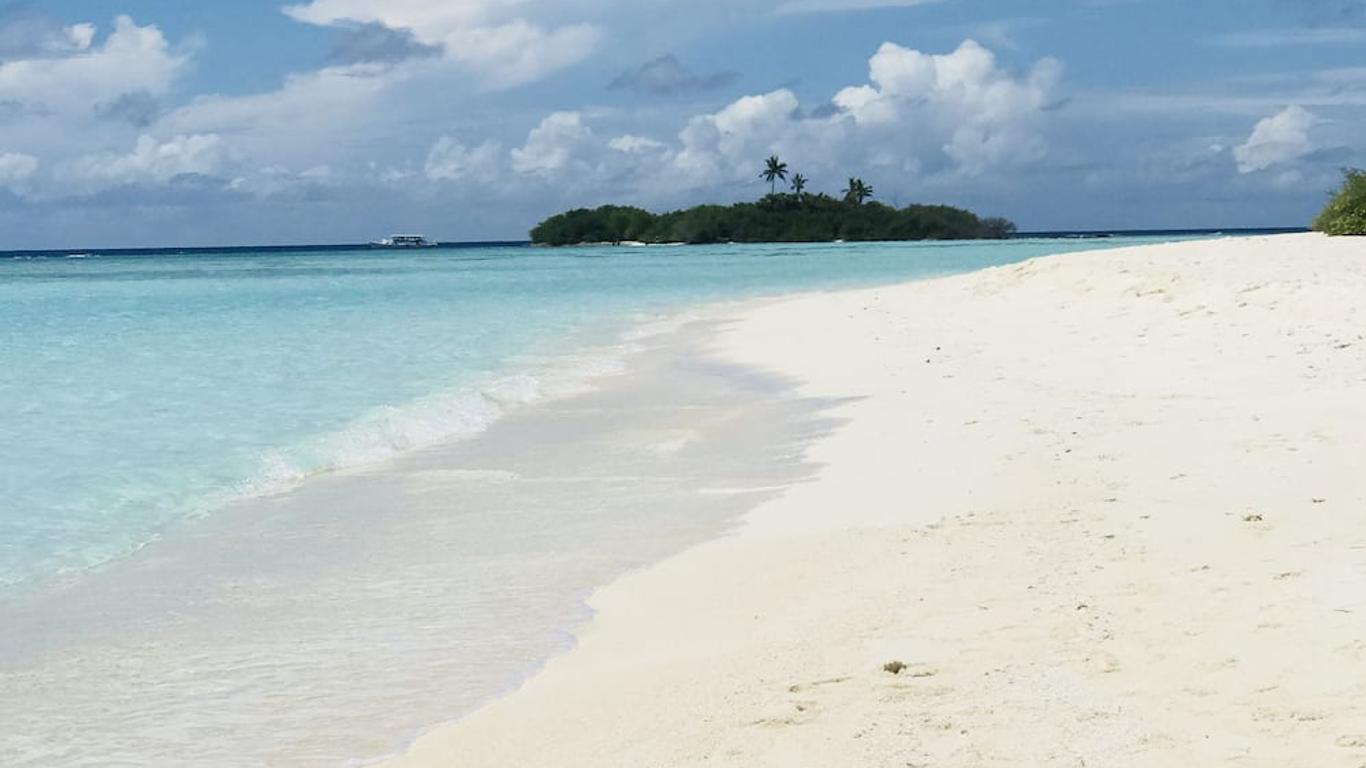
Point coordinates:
[[403, 241]]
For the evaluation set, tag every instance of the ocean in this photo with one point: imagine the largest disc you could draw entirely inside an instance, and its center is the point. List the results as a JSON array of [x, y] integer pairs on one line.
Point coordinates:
[[296, 424]]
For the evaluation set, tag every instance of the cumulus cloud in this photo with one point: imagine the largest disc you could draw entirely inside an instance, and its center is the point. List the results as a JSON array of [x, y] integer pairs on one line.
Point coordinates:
[[483, 36], [919, 115], [133, 59], [956, 113], [67, 96], [561, 142], [979, 114], [149, 162], [79, 97], [450, 160], [1278, 139], [330, 117], [713, 145], [666, 76]]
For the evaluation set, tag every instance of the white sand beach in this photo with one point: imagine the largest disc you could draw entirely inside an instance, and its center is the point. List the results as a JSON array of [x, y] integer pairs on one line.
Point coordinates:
[[1108, 509]]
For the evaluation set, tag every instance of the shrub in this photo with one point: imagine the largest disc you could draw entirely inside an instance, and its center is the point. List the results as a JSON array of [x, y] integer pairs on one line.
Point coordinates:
[[1346, 212]]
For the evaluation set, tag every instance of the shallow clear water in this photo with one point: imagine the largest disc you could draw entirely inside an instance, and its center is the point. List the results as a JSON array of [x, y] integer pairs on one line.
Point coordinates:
[[139, 391]]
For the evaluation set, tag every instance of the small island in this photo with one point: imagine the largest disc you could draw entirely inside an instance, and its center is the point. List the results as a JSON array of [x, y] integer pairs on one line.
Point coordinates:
[[779, 217]]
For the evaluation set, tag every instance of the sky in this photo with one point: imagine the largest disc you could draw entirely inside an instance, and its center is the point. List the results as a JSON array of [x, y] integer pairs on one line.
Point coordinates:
[[128, 123]]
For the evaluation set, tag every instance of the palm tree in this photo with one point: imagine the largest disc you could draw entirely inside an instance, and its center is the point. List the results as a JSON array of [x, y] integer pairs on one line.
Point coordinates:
[[857, 192], [776, 169], [799, 185]]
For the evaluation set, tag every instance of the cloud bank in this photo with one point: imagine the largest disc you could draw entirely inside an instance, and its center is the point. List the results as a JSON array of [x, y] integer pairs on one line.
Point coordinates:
[[920, 114]]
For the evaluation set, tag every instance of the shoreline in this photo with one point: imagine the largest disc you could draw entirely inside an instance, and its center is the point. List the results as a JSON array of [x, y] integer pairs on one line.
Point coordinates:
[[389, 430], [766, 646], [554, 369], [359, 592]]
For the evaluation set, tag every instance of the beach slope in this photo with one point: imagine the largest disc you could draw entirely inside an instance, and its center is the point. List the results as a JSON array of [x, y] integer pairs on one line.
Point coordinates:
[[1100, 509]]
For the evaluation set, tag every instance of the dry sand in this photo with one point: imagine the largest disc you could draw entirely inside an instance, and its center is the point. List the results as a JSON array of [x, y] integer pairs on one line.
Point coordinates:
[[1108, 508]]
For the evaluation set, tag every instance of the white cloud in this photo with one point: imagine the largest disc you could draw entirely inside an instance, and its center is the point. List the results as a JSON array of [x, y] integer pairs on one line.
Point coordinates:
[[61, 92], [77, 37], [16, 167], [345, 115], [483, 36], [1278, 139], [956, 113], [429, 19], [451, 160], [61, 86], [302, 123], [980, 114], [75, 77], [635, 145], [561, 142], [714, 145], [150, 161], [920, 115], [517, 52]]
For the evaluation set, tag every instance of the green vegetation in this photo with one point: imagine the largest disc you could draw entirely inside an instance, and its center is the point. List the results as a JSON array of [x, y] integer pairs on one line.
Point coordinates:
[[857, 192], [775, 169], [778, 217], [1346, 212]]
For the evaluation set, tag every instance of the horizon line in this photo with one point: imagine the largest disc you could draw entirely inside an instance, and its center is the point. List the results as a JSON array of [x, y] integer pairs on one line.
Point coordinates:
[[459, 244]]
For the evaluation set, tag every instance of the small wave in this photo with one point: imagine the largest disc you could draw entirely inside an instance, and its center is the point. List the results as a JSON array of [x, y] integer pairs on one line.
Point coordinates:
[[382, 435], [390, 432]]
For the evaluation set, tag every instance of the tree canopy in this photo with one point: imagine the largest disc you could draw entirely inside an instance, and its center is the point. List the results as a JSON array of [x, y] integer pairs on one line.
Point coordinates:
[[857, 192], [774, 169], [775, 218]]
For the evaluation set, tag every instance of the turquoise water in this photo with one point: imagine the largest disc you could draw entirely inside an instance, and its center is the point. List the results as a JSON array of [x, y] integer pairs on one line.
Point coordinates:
[[143, 391]]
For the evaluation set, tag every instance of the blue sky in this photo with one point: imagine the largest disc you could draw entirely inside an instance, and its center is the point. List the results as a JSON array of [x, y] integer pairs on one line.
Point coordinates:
[[165, 122]]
